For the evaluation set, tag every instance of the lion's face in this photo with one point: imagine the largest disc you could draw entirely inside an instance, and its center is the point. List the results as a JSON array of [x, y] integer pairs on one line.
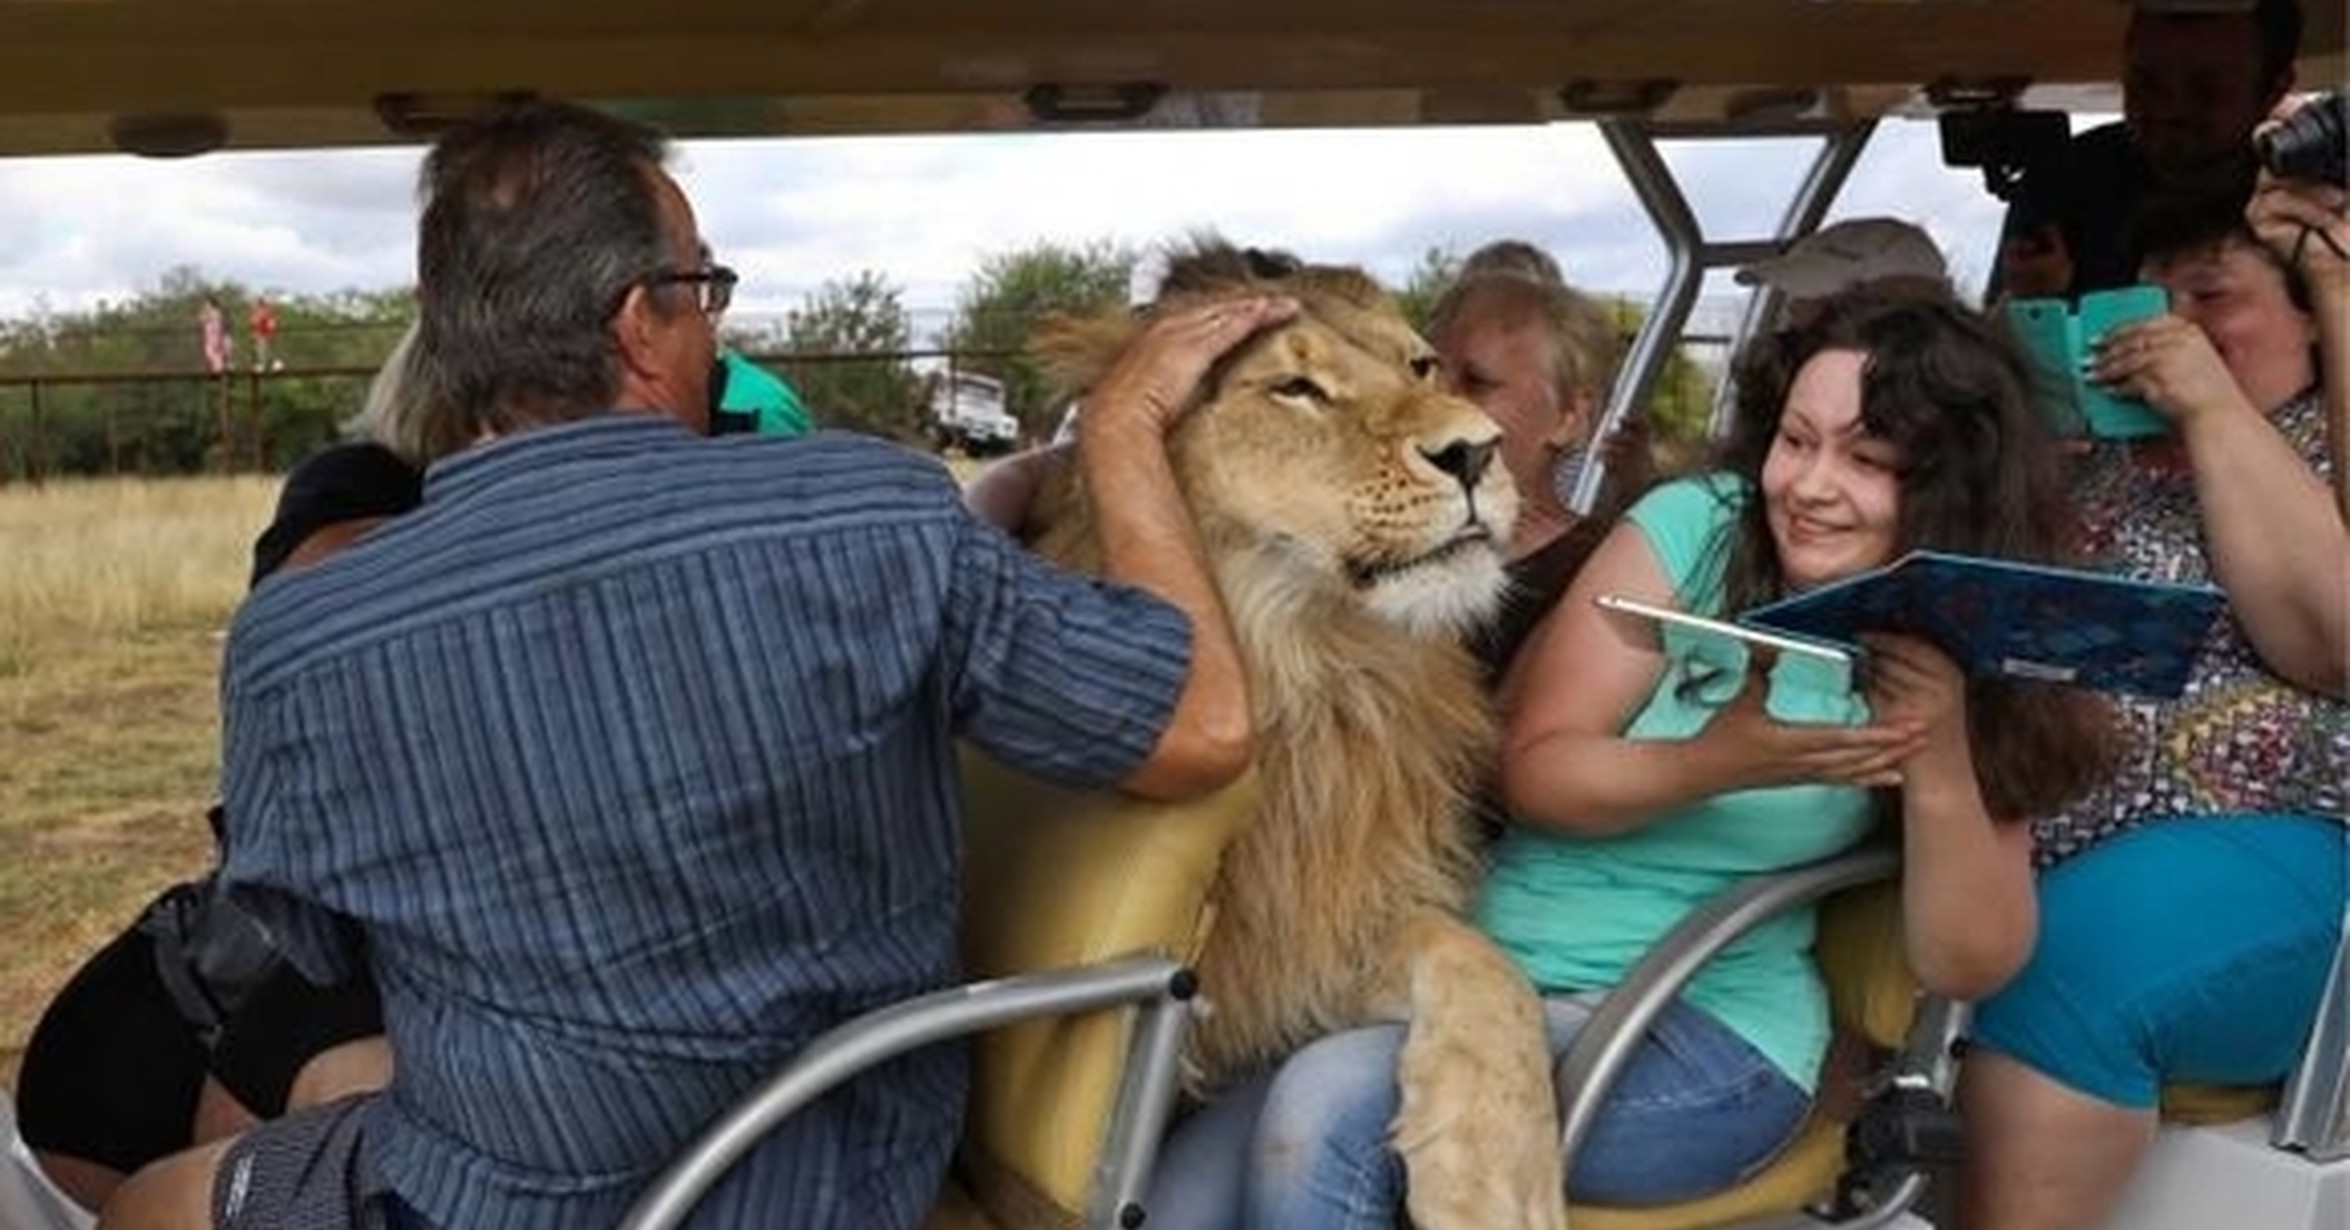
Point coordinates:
[[1328, 441]]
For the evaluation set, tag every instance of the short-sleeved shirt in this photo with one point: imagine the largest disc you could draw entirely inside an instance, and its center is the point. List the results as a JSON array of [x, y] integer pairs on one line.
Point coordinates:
[[760, 397], [1577, 912], [632, 754], [2238, 738]]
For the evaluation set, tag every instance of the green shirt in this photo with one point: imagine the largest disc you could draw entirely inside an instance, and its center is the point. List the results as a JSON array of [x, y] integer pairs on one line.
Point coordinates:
[[1577, 912], [754, 391]]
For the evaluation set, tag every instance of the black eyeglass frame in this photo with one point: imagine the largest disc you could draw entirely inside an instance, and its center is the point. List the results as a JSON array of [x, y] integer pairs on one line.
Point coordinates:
[[713, 285]]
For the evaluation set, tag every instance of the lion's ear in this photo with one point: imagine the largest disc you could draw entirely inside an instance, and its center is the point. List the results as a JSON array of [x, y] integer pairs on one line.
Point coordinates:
[[1073, 351]]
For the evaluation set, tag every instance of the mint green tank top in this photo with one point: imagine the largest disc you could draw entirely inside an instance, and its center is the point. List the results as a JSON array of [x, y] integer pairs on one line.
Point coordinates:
[[1577, 912]]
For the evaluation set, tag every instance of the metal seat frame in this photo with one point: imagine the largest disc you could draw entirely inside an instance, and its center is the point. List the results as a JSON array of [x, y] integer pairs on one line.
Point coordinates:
[[1158, 990]]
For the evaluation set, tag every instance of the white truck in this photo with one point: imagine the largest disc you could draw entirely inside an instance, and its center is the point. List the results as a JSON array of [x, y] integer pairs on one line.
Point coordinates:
[[966, 410]]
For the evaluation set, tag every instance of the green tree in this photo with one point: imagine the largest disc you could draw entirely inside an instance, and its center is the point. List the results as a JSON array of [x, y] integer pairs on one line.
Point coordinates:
[[1680, 406], [827, 335], [125, 389], [1001, 305], [1425, 284]]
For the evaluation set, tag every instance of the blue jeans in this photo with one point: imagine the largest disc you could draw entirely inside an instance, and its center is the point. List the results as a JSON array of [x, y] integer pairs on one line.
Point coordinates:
[[1305, 1147]]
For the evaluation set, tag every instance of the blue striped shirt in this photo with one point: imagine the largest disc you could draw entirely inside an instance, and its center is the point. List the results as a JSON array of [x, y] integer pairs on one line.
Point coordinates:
[[632, 753]]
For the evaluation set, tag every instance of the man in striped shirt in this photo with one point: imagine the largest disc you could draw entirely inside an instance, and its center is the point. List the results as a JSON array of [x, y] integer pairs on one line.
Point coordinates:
[[631, 751]]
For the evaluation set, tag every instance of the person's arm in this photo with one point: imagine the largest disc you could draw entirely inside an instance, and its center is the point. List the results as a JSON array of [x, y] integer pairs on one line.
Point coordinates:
[[2275, 532], [1969, 914], [1148, 541], [1004, 492], [1628, 460], [1586, 673], [2308, 225]]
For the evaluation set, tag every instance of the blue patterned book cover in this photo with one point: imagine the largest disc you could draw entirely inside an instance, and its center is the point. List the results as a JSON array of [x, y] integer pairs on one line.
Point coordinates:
[[2024, 621]]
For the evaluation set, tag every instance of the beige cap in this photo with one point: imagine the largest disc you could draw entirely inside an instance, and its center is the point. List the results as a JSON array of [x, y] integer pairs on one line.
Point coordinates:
[[1845, 255]]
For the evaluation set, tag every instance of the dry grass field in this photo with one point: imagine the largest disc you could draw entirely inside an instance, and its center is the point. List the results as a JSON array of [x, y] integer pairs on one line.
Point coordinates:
[[113, 598]]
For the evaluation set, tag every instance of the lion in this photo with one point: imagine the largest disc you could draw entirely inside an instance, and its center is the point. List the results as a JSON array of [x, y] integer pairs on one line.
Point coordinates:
[[1354, 520]]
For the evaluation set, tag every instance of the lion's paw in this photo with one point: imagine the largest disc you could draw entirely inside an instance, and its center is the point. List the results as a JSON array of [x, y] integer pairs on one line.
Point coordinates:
[[1478, 1127]]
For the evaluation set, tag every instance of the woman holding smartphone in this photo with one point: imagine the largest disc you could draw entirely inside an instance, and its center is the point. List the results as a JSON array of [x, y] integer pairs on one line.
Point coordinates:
[[2193, 903]]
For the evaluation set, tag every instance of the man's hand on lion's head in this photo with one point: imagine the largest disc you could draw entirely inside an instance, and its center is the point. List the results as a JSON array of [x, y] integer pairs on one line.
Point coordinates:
[[1155, 379]]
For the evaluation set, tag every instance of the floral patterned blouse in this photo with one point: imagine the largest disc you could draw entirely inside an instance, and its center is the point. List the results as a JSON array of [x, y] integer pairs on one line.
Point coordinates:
[[2238, 739]]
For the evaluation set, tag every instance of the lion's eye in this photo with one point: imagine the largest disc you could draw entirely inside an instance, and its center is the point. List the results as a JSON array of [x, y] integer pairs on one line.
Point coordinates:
[[1303, 388], [1426, 367]]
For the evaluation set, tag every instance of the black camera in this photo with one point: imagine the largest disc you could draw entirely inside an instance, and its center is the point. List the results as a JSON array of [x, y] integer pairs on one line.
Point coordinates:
[[2015, 149], [2308, 144]]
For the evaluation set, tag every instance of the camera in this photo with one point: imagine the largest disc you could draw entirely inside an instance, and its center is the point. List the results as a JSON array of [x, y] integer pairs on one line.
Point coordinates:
[[2014, 148], [2308, 144]]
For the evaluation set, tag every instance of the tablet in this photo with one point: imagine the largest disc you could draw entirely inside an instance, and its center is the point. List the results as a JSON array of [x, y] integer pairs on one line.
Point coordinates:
[[1810, 680]]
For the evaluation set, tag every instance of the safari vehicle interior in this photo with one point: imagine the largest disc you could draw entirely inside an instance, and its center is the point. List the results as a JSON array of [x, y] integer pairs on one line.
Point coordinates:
[[1068, 1104]]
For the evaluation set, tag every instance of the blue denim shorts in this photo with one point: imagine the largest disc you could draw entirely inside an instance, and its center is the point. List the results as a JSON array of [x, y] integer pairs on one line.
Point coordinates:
[[2191, 949]]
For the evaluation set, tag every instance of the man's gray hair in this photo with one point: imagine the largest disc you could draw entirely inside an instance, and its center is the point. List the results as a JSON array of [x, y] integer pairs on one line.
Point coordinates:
[[538, 219]]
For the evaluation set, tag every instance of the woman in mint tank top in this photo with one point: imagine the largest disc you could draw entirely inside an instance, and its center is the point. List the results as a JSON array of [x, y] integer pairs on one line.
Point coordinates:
[[1640, 791]]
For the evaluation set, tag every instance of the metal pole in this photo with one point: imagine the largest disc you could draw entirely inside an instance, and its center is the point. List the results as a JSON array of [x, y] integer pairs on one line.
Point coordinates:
[[37, 457], [1689, 254]]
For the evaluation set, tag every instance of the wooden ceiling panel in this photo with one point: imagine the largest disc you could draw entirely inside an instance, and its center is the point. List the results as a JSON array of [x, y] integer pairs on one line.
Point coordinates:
[[276, 72]]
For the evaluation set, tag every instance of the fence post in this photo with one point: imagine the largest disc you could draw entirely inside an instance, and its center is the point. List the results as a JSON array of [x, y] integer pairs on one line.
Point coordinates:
[[220, 391], [108, 398], [253, 419], [37, 457]]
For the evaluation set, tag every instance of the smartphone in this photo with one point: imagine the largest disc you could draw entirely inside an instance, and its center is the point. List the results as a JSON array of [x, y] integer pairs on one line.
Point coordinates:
[[2046, 330], [2110, 417], [2060, 338], [1809, 680]]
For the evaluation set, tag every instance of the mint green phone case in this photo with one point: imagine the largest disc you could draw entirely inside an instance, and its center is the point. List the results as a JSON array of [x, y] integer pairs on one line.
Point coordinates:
[[2110, 417], [2060, 339]]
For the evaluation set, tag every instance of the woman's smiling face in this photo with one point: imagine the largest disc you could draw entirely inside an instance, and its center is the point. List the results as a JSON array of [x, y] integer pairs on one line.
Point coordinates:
[[1831, 492]]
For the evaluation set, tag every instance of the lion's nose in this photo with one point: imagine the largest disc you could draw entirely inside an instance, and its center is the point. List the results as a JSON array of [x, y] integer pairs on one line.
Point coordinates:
[[1462, 460]]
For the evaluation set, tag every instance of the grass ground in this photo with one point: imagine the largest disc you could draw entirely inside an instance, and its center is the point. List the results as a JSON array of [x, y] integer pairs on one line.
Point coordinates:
[[113, 598]]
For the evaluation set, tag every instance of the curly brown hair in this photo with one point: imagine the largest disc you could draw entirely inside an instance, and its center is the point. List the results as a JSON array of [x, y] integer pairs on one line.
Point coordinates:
[[1980, 474]]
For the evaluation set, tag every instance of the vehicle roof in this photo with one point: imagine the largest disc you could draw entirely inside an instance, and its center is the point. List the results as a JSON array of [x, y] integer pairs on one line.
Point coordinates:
[[168, 75]]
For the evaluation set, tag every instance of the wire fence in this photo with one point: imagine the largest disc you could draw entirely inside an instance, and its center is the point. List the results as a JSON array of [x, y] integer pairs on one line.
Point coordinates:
[[113, 424]]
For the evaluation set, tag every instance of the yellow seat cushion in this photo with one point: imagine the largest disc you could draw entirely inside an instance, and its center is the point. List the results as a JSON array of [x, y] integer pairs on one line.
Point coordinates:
[[1871, 992], [956, 1210], [1056, 878], [2201, 1104]]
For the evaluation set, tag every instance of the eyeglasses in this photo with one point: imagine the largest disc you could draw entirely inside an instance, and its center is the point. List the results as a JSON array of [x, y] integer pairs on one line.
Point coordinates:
[[713, 286]]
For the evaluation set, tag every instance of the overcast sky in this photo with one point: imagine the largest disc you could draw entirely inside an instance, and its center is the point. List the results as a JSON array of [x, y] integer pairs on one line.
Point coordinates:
[[924, 211]]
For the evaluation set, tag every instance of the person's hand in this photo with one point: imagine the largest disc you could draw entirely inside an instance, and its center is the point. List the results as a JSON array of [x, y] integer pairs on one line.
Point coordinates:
[[1155, 380], [1628, 451], [1913, 683], [2307, 225], [1627, 458], [2169, 364], [1756, 749], [2034, 263]]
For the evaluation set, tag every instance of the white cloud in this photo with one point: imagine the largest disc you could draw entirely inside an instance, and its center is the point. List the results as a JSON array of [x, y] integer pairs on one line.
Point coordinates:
[[924, 211]]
